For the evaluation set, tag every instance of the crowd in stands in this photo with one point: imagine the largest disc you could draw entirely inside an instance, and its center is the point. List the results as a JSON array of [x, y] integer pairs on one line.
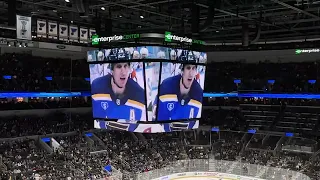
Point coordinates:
[[28, 73], [82, 157], [288, 77], [44, 103], [24, 156]]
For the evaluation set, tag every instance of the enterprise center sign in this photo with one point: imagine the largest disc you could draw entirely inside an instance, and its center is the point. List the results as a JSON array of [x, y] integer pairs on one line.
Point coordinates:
[[168, 37], [300, 51], [96, 39]]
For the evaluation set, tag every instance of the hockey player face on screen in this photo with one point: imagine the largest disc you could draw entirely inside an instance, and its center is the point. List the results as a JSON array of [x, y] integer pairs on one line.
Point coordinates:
[[120, 75], [188, 74]]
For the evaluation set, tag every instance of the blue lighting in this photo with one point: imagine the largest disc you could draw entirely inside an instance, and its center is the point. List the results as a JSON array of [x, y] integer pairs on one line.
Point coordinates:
[[46, 139], [48, 78], [237, 81], [87, 79], [85, 94], [252, 131], [7, 77], [215, 129], [271, 81], [283, 96], [38, 94], [312, 81], [108, 168], [220, 94], [289, 134], [213, 95], [88, 134]]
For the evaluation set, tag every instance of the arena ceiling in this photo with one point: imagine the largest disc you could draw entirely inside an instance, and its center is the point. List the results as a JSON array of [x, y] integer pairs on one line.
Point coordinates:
[[267, 19]]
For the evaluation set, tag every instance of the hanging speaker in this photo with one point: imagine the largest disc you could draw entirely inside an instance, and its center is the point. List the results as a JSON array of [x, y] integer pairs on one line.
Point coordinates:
[[195, 14], [108, 27], [12, 12]]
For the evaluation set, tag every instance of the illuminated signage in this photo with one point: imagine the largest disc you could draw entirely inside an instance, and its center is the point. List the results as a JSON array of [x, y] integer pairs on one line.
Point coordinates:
[[168, 37], [96, 39], [300, 51]]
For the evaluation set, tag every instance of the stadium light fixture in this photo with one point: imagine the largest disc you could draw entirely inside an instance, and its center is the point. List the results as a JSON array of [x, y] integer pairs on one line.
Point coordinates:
[[67, 1], [103, 8], [141, 16]]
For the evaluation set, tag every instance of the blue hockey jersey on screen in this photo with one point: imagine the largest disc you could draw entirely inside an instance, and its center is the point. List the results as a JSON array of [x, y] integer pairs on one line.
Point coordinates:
[[173, 106], [106, 104]]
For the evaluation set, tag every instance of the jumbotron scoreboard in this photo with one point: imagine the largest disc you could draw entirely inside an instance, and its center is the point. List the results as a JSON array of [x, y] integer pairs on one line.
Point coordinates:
[[147, 88]]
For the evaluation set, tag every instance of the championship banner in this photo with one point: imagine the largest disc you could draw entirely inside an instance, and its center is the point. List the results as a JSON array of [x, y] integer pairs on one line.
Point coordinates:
[[41, 28], [83, 35], [53, 29], [23, 27], [92, 32], [73, 33], [63, 32]]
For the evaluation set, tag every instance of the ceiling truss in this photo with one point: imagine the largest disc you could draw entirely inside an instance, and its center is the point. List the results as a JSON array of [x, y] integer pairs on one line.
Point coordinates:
[[283, 19]]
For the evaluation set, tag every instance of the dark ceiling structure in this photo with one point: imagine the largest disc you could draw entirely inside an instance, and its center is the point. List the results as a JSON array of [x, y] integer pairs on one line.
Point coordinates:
[[215, 21]]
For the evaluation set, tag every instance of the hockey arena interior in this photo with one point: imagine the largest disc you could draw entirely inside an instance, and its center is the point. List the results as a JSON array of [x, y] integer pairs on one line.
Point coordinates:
[[159, 90]]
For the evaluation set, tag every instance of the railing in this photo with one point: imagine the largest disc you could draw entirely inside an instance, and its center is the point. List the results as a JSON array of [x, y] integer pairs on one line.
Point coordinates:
[[221, 166]]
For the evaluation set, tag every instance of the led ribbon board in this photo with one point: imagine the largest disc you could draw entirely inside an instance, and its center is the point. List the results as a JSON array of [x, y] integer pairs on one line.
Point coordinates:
[[168, 37]]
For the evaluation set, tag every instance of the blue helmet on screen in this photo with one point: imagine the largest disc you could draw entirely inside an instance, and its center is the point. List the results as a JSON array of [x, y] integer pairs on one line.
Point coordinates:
[[121, 54], [113, 54]]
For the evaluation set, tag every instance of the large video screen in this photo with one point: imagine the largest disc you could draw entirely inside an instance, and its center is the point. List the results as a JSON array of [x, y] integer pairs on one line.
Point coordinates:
[[180, 91], [147, 83], [118, 91]]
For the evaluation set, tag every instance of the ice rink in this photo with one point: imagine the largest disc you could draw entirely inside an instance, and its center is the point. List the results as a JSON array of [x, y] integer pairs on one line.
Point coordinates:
[[201, 178]]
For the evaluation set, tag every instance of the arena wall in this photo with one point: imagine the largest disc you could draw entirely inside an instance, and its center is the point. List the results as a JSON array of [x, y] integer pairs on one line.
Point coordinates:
[[225, 169]]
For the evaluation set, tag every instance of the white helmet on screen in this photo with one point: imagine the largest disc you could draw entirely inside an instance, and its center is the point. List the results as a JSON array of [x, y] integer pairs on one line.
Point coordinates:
[[201, 59], [144, 53], [127, 50], [173, 55], [90, 57], [107, 52], [161, 55], [196, 54], [100, 56], [136, 55]]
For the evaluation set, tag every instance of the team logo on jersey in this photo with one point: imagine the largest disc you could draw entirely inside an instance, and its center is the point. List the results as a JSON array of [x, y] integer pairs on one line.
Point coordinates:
[[118, 102], [170, 106], [104, 105]]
